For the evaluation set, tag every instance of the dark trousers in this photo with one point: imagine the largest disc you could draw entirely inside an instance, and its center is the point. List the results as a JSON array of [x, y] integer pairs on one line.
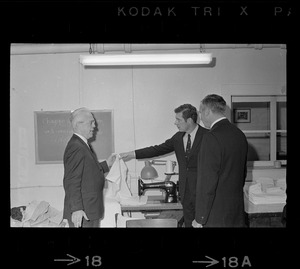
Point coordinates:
[[188, 206], [86, 223]]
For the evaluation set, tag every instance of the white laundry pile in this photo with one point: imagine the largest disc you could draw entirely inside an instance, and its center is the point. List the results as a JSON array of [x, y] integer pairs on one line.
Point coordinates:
[[117, 187], [40, 214], [267, 191]]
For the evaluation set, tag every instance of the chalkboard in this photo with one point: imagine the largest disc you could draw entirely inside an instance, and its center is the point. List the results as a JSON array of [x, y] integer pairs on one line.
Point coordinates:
[[53, 130]]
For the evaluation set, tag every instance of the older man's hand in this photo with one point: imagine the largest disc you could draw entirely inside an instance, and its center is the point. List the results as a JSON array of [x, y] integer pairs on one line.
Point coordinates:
[[195, 224], [111, 159], [77, 217]]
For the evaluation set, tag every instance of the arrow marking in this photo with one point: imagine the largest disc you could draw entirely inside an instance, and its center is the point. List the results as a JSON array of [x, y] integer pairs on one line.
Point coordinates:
[[71, 261], [211, 262]]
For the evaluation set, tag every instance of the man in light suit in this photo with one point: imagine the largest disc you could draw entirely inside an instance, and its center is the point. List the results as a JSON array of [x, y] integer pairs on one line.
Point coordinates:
[[221, 169], [83, 175], [186, 122]]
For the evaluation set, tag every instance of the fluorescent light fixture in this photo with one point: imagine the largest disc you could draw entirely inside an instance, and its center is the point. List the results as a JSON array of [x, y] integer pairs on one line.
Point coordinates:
[[145, 59]]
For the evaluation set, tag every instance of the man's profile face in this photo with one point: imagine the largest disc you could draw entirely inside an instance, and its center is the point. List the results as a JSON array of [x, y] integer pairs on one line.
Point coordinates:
[[181, 123], [87, 125]]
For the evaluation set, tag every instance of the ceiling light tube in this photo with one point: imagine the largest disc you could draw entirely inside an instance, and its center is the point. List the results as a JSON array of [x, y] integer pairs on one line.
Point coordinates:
[[146, 59]]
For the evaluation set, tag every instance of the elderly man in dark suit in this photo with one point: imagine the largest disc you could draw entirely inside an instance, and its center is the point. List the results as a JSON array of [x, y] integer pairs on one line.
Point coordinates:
[[221, 169], [185, 144], [83, 175]]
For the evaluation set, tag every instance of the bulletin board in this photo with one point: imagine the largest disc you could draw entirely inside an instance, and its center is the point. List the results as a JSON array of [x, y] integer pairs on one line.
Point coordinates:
[[53, 130]]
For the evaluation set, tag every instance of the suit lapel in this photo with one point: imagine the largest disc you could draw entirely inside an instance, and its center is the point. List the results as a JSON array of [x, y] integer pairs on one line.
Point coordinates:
[[181, 145], [81, 141], [196, 141], [89, 148], [92, 152]]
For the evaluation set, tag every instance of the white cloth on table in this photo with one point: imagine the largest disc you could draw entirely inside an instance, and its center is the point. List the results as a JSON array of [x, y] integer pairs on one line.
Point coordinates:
[[267, 191]]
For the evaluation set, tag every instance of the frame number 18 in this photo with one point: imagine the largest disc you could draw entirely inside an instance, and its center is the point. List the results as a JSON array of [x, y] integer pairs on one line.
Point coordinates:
[[93, 261]]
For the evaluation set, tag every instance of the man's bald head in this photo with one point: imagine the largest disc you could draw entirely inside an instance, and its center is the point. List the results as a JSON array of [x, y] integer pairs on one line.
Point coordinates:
[[83, 122]]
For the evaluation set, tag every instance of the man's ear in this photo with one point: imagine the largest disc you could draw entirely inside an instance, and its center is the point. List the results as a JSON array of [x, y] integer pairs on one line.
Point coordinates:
[[76, 126], [207, 111], [189, 120]]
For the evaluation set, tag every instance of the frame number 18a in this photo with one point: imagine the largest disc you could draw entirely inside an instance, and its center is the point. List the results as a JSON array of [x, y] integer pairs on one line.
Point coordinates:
[[233, 262]]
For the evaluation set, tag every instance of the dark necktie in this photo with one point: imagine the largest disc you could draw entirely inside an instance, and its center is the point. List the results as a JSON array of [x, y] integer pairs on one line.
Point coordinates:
[[90, 146], [188, 145]]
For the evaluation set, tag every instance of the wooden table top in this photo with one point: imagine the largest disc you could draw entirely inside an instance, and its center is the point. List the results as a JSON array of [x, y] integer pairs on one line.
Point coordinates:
[[154, 203]]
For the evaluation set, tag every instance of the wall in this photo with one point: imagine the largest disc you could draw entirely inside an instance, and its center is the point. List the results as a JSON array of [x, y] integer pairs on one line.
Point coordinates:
[[143, 99]]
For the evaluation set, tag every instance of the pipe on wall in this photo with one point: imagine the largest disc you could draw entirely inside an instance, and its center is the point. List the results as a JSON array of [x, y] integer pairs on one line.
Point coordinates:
[[24, 49]]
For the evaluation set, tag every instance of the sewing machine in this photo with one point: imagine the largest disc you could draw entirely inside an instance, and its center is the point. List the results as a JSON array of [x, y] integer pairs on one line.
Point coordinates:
[[169, 187]]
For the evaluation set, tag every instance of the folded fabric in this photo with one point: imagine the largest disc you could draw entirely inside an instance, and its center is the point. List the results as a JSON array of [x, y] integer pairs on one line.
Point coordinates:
[[55, 216], [40, 210], [281, 182], [274, 190], [255, 188], [30, 210], [266, 199], [41, 214], [266, 182], [117, 181], [259, 194]]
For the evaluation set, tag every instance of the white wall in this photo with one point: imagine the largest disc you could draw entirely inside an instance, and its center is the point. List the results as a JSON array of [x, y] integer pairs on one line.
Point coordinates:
[[143, 99]]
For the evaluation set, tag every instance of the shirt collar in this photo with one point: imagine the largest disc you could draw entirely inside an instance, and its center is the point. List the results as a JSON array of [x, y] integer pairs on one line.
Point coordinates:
[[82, 137], [193, 133], [217, 121]]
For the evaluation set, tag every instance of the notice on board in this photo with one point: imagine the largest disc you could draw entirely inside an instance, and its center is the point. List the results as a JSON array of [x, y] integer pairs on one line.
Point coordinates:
[[53, 130]]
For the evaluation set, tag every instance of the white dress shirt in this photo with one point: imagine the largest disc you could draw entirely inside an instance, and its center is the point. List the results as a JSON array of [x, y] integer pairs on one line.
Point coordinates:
[[193, 134], [83, 138]]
